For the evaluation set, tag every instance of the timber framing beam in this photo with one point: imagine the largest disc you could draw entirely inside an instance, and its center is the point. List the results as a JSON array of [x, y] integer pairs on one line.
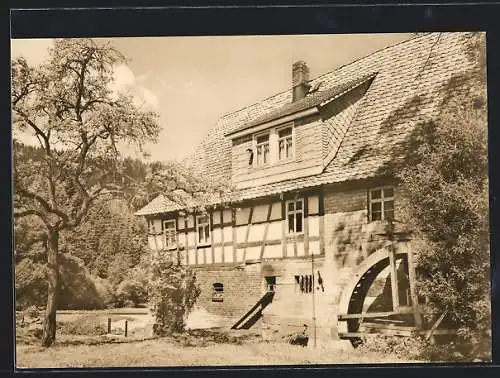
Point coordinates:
[[266, 230], [394, 278]]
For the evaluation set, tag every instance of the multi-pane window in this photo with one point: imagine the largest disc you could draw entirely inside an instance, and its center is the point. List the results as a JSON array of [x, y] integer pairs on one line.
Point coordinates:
[[203, 228], [285, 143], [295, 216], [273, 146], [382, 204], [262, 149], [170, 233]]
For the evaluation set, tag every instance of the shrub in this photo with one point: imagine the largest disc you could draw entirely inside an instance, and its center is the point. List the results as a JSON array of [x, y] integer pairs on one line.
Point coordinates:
[[445, 182], [130, 293], [78, 289], [409, 348], [31, 284], [84, 325], [450, 349], [119, 269], [104, 291], [173, 293], [32, 312]]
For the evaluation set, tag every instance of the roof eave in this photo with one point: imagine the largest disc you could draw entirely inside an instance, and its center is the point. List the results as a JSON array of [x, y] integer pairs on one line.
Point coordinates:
[[310, 110], [278, 121]]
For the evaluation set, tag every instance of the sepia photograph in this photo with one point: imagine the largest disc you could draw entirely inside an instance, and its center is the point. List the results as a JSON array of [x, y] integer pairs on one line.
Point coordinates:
[[251, 200]]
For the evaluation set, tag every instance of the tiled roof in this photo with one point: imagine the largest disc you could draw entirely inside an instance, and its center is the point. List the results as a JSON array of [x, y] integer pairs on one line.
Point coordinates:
[[405, 91], [158, 205], [307, 102], [178, 200]]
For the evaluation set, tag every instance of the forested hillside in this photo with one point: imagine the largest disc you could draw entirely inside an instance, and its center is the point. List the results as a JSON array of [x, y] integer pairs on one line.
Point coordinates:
[[102, 260]]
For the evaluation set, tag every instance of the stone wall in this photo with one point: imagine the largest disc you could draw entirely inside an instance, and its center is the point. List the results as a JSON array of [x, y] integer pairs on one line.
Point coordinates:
[[242, 289]]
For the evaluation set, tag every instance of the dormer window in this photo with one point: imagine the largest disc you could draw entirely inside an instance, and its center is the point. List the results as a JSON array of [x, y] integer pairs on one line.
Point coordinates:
[[273, 146], [262, 149], [285, 143]]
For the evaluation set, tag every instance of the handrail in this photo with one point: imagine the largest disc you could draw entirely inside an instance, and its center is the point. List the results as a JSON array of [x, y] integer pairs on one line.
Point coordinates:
[[265, 300]]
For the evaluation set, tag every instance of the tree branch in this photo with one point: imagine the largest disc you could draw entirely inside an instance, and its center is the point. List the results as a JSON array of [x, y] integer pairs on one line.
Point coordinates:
[[31, 212], [28, 194], [25, 117], [27, 213]]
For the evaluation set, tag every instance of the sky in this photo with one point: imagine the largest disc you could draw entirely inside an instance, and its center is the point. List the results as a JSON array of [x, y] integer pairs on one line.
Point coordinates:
[[192, 81]]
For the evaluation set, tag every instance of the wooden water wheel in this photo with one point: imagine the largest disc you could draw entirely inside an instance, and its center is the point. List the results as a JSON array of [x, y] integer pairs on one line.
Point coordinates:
[[397, 312]]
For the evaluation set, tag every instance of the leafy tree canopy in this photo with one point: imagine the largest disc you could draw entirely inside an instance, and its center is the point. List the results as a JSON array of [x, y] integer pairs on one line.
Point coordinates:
[[446, 201]]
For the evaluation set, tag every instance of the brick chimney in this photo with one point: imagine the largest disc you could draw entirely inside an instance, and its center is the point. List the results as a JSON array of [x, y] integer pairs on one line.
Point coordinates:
[[300, 80]]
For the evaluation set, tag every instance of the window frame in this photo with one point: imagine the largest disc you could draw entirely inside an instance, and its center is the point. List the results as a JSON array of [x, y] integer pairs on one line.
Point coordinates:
[[151, 227], [278, 138], [256, 148], [207, 238], [271, 283], [170, 229], [294, 212], [273, 142], [382, 200], [217, 292]]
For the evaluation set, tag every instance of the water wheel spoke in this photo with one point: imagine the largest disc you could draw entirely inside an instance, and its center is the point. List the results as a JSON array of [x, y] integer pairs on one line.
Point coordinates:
[[357, 309]]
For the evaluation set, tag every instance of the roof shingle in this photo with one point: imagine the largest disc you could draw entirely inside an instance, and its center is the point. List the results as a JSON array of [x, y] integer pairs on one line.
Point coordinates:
[[405, 91], [305, 103]]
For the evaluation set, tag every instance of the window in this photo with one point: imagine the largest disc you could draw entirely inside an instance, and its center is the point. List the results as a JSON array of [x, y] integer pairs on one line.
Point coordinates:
[[285, 143], [381, 204], [295, 216], [271, 284], [203, 227], [170, 233], [218, 292], [151, 227], [262, 149], [272, 146], [304, 284]]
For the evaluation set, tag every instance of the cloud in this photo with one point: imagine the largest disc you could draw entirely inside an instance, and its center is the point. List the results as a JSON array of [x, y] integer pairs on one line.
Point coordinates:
[[35, 51], [125, 80]]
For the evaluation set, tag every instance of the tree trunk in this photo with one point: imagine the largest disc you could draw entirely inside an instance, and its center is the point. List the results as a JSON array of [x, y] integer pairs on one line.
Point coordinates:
[[49, 324]]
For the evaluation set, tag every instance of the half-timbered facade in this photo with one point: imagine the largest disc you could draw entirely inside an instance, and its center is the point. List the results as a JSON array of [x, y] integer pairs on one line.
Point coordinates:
[[305, 233]]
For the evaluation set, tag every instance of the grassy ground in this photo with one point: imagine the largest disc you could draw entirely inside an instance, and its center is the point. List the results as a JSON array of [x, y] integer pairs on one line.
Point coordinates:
[[82, 342], [164, 352]]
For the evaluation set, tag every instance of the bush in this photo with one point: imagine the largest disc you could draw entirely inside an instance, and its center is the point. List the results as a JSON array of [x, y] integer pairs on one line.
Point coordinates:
[[173, 293], [31, 284], [119, 269], [78, 288], [402, 347], [104, 291], [130, 293], [451, 349], [32, 312], [445, 182], [84, 325]]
